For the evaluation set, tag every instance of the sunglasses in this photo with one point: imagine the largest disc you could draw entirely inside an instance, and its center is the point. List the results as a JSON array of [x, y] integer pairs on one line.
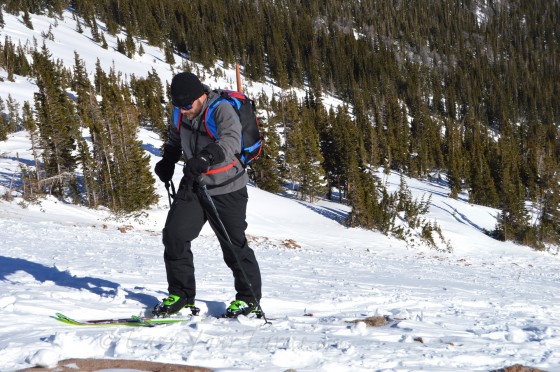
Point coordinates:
[[186, 108], [177, 114]]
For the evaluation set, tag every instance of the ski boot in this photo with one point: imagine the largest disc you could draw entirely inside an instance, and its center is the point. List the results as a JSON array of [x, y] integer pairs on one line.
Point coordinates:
[[239, 307], [172, 305]]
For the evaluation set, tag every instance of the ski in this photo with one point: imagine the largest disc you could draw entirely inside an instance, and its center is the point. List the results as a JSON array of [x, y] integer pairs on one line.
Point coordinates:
[[133, 321], [150, 321]]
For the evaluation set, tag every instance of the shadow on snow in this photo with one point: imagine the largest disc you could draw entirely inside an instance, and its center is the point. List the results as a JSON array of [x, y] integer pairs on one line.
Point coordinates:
[[42, 273]]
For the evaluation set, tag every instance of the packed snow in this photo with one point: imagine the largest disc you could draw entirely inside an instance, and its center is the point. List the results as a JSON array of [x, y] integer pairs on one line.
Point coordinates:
[[483, 306]]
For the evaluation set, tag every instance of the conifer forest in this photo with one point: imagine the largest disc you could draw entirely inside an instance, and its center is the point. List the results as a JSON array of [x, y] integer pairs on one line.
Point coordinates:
[[466, 91]]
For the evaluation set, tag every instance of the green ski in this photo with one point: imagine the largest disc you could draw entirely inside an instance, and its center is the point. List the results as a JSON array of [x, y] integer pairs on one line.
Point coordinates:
[[133, 321]]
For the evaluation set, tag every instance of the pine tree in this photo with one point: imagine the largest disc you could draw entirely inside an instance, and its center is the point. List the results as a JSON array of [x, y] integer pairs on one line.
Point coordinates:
[[332, 149], [13, 109], [294, 143], [58, 127], [79, 28], [104, 44], [513, 222], [267, 167], [286, 109], [548, 231], [27, 20], [482, 189], [87, 111], [8, 58], [398, 134], [121, 46], [29, 124], [130, 45], [169, 57], [131, 181], [2, 22], [4, 123], [150, 102], [453, 147], [311, 163], [22, 66]]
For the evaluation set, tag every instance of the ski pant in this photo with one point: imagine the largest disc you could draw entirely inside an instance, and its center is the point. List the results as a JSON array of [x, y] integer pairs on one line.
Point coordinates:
[[188, 214]]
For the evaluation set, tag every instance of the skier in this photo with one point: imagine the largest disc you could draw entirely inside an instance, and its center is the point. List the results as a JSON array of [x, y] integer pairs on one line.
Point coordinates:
[[215, 163]]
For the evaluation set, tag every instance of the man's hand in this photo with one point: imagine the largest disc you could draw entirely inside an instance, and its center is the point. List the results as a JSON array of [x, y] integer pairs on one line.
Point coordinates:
[[195, 167], [164, 169]]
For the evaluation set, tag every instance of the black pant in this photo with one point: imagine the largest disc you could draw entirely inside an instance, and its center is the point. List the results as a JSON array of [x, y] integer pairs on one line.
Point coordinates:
[[188, 214]]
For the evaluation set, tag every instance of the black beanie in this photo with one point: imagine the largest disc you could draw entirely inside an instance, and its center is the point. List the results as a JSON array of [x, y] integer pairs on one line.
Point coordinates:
[[185, 88]]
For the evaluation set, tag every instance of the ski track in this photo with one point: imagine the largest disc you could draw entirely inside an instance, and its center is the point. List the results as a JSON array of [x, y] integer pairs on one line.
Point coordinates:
[[467, 315]]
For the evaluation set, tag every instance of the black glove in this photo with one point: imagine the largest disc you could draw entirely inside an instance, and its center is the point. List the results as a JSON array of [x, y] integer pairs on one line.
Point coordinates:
[[195, 167], [164, 169], [214, 153]]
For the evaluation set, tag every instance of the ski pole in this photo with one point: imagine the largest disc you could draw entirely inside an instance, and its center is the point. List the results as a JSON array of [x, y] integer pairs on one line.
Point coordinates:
[[202, 184], [170, 195]]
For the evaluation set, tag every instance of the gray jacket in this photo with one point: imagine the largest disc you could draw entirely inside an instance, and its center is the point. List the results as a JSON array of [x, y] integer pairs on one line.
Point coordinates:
[[192, 138]]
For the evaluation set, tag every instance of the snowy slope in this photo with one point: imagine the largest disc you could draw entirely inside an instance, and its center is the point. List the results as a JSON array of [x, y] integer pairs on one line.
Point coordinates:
[[486, 305]]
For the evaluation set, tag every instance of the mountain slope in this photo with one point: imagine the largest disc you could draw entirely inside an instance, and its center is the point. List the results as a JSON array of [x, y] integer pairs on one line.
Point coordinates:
[[486, 305]]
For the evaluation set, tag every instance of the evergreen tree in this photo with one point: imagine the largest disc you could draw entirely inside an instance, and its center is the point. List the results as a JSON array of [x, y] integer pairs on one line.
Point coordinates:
[[366, 129], [548, 231], [482, 189], [87, 111], [104, 44], [79, 28], [131, 181], [4, 123], [310, 163], [130, 45], [95, 33], [294, 144], [121, 46], [58, 127], [2, 22], [360, 197], [29, 124], [169, 57], [27, 20], [13, 109], [267, 167], [22, 66], [8, 57], [454, 156], [513, 222], [398, 134], [332, 149], [149, 96]]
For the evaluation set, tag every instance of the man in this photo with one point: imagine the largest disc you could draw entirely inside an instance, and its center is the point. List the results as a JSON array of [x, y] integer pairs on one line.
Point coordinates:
[[216, 162]]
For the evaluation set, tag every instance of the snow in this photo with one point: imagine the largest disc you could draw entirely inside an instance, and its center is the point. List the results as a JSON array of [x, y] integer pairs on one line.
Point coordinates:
[[485, 305]]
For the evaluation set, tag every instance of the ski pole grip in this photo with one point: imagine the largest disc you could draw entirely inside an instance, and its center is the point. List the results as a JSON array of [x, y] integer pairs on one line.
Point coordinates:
[[200, 181]]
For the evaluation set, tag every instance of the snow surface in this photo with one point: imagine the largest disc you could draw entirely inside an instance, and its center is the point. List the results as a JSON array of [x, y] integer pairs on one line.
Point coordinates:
[[483, 306]]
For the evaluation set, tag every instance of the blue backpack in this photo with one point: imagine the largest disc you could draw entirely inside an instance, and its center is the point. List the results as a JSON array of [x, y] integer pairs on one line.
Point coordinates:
[[251, 140]]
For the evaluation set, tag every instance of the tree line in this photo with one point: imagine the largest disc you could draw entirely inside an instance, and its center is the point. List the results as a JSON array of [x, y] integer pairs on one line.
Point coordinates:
[[86, 149], [465, 89]]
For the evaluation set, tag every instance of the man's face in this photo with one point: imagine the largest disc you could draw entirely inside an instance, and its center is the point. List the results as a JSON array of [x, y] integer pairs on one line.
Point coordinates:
[[196, 108]]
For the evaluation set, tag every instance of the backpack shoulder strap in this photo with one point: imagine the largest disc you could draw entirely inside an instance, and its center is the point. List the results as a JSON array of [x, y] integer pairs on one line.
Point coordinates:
[[209, 122]]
